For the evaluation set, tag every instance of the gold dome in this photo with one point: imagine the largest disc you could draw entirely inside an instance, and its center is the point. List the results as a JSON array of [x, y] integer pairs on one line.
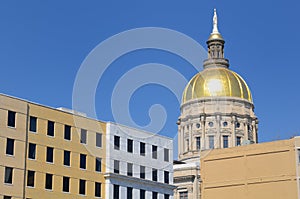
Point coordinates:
[[216, 82]]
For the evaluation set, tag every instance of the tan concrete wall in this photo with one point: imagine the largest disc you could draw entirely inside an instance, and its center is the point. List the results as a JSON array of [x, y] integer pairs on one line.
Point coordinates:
[[59, 144], [18, 134], [41, 140], [257, 171]]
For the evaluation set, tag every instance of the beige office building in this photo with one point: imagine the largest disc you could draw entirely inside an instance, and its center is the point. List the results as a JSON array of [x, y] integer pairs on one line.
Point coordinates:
[[260, 171], [49, 153]]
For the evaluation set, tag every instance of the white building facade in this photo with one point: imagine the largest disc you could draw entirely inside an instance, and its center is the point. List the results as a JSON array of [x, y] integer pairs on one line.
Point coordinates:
[[138, 164]]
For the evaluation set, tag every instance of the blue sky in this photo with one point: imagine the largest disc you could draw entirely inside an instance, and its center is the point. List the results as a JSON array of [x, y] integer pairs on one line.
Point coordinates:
[[43, 43]]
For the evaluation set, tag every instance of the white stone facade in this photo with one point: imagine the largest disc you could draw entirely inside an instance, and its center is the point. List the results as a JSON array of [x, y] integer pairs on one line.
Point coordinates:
[[120, 160], [216, 119]]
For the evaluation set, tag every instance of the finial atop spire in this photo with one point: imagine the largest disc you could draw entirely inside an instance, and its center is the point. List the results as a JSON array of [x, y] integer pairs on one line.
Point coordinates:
[[215, 21]]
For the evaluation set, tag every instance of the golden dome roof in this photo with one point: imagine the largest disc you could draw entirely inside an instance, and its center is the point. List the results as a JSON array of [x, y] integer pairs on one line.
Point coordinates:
[[216, 82]]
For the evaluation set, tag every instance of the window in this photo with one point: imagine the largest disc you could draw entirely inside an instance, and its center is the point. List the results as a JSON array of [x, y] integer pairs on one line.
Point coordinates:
[[166, 155], [211, 141], [238, 141], [10, 145], [98, 164], [116, 166], [48, 182], [183, 195], [67, 158], [49, 157], [6, 197], [116, 191], [166, 177], [31, 151], [83, 136], [67, 135], [154, 195], [97, 189], [82, 161], [237, 125], [82, 187], [142, 148], [225, 141], [225, 124], [116, 142], [166, 196], [129, 193], [98, 139], [8, 175], [11, 119], [142, 172], [50, 129], [210, 124], [298, 156], [154, 152], [66, 184], [129, 145], [154, 174], [142, 194], [32, 124], [30, 178], [198, 143], [129, 169]]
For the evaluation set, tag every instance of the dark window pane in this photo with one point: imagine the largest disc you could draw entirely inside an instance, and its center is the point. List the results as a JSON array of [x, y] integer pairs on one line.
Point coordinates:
[[67, 135], [6, 197], [98, 165], [66, 184], [166, 196], [48, 183], [142, 148], [8, 175], [166, 177], [129, 169], [142, 172], [142, 194], [98, 139], [97, 189], [82, 187], [11, 119], [116, 142], [31, 151], [116, 192], [166, 155], [198, 143], [154, 174], [30, 178], [10, 145], [183, 195], [50, 130], [32, 124], [225, 141], [67, 158], [83, 136], [238, 141], [129, 192], [154, 152], [154, 195], [211, 142], [49, 154], [129, 145], [116, 166], [82, 161]]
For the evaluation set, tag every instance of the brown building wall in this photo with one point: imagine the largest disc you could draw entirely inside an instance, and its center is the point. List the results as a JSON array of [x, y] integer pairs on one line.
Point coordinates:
[[257, 171]]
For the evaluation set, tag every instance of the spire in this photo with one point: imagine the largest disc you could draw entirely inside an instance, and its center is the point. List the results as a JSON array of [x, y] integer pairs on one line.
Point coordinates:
[[215, 22], [215, 44]]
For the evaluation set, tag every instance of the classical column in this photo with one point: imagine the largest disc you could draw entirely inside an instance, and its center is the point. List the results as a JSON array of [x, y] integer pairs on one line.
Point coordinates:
[[254, 131], [190, 136], [233, 120], [218, 134], [202, 132], [246, 136]]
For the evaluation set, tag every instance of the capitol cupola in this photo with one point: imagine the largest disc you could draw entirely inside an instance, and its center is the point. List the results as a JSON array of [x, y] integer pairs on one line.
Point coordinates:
[[217, 110]]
